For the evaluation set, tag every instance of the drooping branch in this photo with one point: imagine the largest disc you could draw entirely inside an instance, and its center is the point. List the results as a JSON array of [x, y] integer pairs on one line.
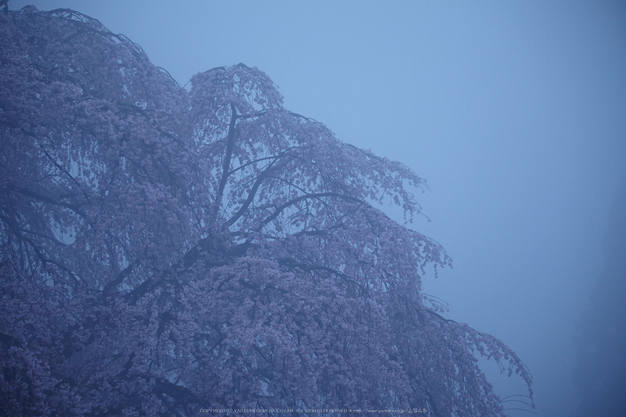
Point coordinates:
[[296, 200], [291, 263]]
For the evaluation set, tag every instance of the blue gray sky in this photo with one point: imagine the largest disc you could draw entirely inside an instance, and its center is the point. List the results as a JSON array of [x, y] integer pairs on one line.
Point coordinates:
[[514, 112]]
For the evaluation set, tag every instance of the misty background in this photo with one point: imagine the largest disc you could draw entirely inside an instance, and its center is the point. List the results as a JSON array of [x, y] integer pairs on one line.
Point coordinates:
[[515, 114]]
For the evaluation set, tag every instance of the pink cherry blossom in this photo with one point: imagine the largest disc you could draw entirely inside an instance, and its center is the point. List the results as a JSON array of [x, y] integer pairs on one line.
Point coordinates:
[[166, 251]]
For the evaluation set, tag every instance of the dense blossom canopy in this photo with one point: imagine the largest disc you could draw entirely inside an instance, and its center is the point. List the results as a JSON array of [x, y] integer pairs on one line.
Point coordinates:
[[165, 251]]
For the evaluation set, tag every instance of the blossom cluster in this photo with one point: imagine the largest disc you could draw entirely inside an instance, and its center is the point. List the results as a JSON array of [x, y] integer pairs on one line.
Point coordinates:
[[165, 251]]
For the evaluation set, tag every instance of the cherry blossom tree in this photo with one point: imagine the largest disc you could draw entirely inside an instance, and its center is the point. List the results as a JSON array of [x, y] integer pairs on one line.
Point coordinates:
[[168, 251]]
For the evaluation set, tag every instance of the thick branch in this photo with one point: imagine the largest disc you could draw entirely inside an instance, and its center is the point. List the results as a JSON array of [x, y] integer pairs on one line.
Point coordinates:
[[251, 195], [230, 145], [49, 200], [119, 278]]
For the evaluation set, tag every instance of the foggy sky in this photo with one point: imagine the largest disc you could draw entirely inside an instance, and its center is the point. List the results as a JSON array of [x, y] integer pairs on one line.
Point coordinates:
[[515, 113]]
